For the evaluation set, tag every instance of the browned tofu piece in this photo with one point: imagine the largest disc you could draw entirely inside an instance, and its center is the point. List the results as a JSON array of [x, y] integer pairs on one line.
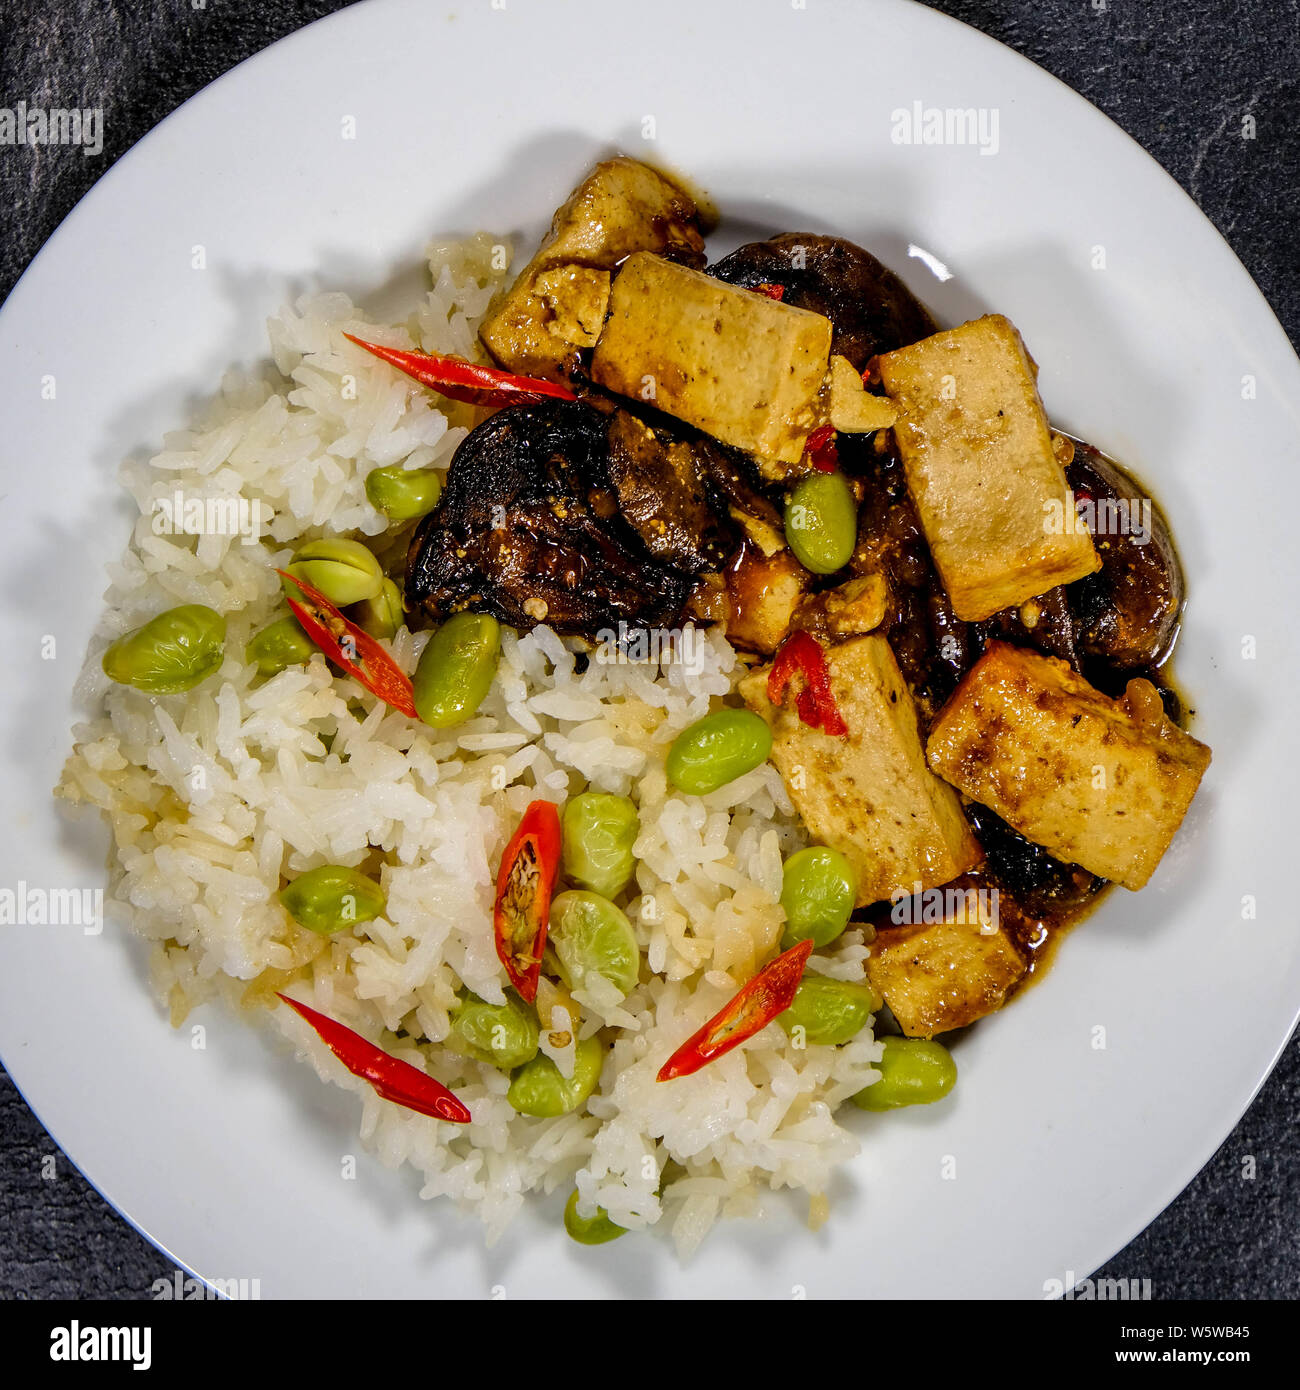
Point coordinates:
[[851, 609], [1100, 783], [869, 794], [988, 486], [943, 975], [763, 592], [744, 368], [853, 409], [557, 304]]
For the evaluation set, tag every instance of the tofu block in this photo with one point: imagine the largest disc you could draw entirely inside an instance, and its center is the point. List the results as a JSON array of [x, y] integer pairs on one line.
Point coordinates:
[[574, 298], [763, 592], [943, 975], [557, 304], [853, 409], [1100, 783], [981, 469], [855, 607], [744, 368], [869, 794]]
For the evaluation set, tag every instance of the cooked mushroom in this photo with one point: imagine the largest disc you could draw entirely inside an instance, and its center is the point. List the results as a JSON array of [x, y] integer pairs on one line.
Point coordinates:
[[1126, 615], [528, 529], [659, 476], [870, 309]]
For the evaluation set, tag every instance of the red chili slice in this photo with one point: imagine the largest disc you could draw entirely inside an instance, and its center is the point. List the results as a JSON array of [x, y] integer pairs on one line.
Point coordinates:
[[769, 993], [772, 291], [392, 1078], [466, 381], [351, 647], [525, 881], [801, 655], [821, 449]]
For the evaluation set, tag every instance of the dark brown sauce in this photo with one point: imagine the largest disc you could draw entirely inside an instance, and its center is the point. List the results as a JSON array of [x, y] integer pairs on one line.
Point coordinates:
[[1117, 626]]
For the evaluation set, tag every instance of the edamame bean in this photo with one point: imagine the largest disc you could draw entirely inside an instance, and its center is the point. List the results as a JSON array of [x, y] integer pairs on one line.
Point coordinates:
[[456, 669], [402, 494], [829, 1011], [332, 897], [589, 1230], [279, 646], [382, 615], [345, 571], [503, 1035], [593, 937], [717, 749], [599, 832], [539, 1089], [821, 522], [818, 890], [913, 1071], [171, 652]]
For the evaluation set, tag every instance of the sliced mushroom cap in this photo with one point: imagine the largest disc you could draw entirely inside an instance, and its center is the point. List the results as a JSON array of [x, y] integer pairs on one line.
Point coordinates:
[[1126, 615], [870, 309], [528, 529]]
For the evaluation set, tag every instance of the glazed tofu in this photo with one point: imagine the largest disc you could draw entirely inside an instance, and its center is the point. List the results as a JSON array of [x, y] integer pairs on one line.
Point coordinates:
[[943, 975], [763, 592], [851, 609], [853, 409], [557, 304], [977, 450], [869, 794], [744, 368], [1100, 783]]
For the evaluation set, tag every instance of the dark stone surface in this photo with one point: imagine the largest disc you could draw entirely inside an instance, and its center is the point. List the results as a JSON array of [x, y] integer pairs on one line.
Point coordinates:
[[1179, 77]]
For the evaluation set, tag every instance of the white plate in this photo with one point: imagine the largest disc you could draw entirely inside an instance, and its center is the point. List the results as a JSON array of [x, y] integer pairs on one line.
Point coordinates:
[[1055, 1151]]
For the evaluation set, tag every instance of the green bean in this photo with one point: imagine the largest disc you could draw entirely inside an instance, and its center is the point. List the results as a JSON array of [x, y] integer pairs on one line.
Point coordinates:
[[332, 897], [593, 937], [457, 668], [717, 749], [818, 890], [402, 494], [829, 1011], [344, 571], [503, 1035], [589, 1230], [821, 522], [913, 1071], [539, 1089], [279, 646], [599, 832], [382, 615], [171, 652]]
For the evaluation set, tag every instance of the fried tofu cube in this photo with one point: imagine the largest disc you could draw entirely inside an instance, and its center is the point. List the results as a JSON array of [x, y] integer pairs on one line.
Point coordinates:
[[869, 794], [575, 298], [763, 592], [1100, 783], [943, 975], [977, 450], [557, 304], [744, 368], [853, 409], [851, 609]]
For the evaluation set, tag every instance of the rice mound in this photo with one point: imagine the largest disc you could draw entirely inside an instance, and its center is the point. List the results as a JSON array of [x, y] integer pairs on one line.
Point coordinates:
[[215, 796]]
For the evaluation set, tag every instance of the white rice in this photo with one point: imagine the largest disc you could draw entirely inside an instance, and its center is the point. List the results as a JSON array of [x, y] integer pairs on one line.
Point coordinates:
[[216, 796]]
